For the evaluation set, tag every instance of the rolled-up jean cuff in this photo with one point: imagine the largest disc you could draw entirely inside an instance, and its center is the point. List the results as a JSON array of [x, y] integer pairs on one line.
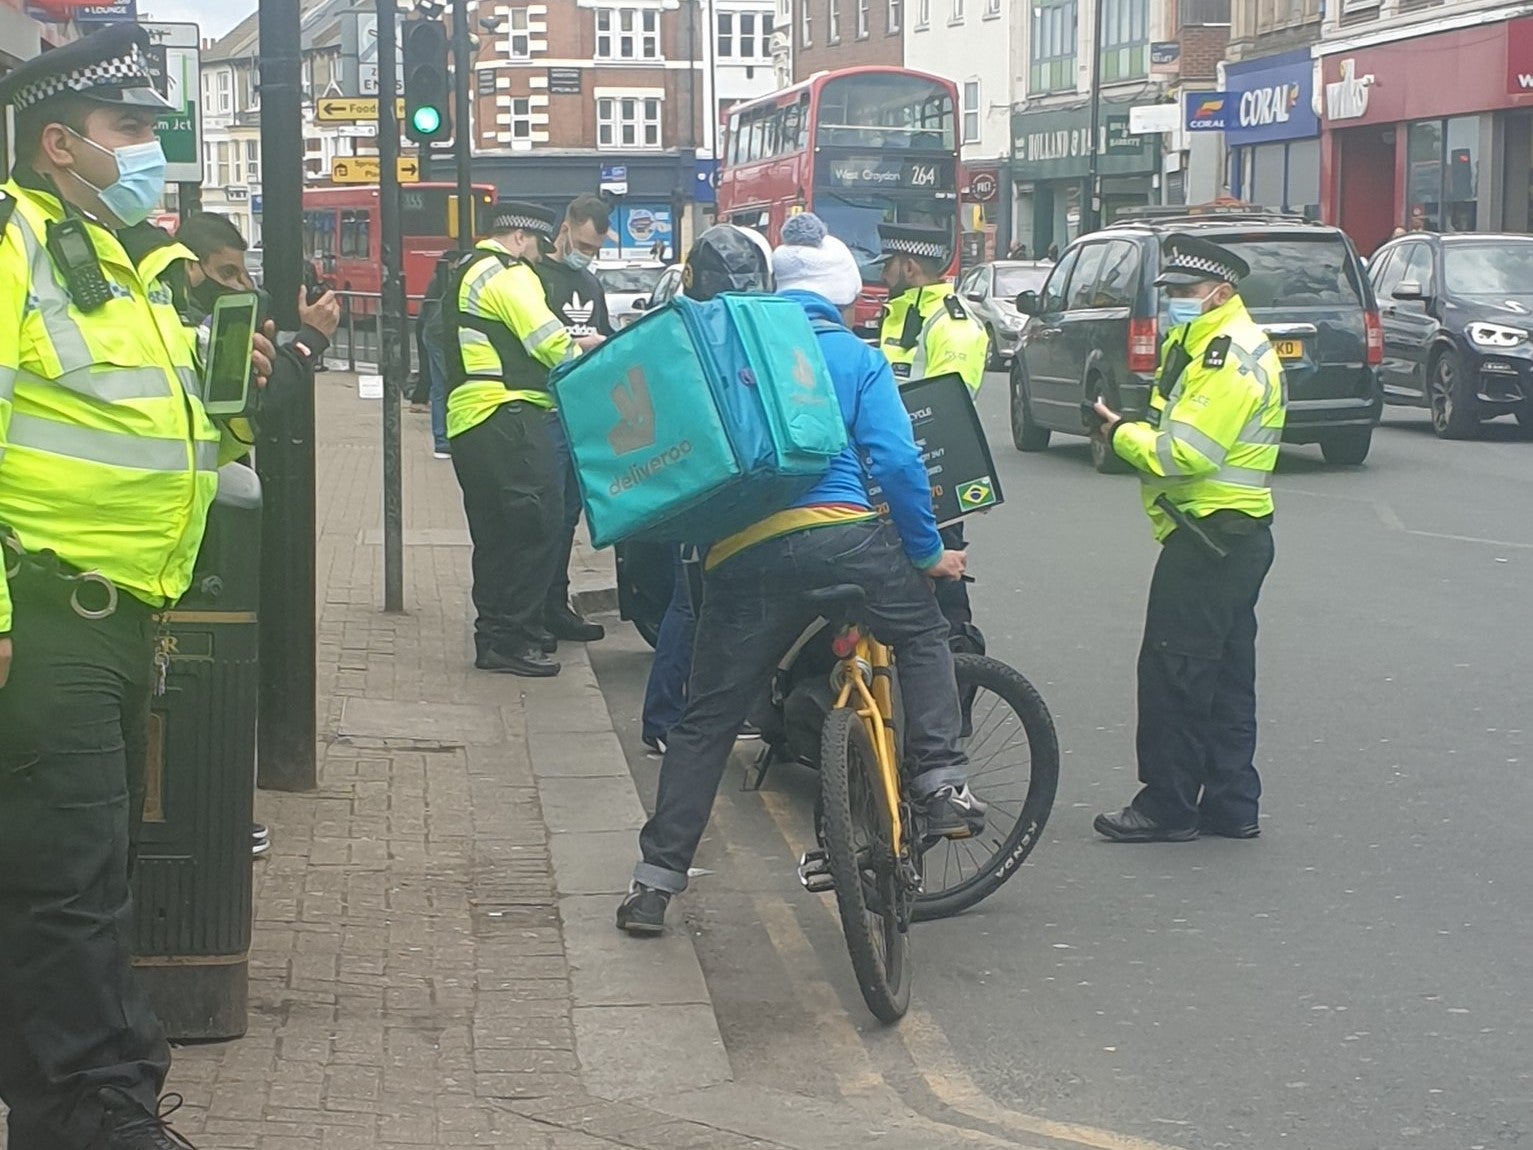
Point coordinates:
[[928, 783], [658, 878]]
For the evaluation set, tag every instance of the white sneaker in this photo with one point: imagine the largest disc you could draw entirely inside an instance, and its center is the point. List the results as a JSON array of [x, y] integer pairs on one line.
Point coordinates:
[[441, 455]]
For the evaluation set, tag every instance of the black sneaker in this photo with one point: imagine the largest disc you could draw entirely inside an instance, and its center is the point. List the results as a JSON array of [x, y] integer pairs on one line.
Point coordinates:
[[126, 1125], [1131, 825], [1229, 830], [643, 910], [654, 746], [953, 813], [748, 731], [530, 663], [567, 624]]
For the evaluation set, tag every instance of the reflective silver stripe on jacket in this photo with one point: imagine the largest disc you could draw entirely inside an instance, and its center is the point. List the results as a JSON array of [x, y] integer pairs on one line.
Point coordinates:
[[493, 267], [7, 383], [108, 447], [918, 364], [535, 339], [110, 384]]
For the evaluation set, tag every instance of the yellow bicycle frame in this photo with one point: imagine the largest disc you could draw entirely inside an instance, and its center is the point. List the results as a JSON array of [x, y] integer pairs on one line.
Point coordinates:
[[875, 707]]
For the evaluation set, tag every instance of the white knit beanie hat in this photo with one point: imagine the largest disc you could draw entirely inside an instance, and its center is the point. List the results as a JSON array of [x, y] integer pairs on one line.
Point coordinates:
[[811, 259]]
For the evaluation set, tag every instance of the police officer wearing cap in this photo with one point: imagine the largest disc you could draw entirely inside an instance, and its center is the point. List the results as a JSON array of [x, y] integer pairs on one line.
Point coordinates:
[[928, 331], [502, 340], [108, 465], [1205, 457]]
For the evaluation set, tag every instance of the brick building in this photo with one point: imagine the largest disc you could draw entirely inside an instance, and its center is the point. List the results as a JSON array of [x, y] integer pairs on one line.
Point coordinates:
[[831, 34]]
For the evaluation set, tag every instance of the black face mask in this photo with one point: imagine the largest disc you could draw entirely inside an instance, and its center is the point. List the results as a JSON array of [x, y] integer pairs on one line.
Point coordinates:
[[210, 291]]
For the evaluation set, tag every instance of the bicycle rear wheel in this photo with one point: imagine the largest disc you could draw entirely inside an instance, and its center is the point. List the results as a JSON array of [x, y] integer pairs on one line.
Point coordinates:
[[858, 838], [1014, 768]]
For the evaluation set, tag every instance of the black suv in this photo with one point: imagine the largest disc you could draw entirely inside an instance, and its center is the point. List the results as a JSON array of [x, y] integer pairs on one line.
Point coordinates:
[[1458, 319], [1096, 328]]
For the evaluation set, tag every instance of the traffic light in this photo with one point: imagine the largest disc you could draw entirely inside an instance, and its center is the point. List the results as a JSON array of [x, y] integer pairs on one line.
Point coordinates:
[[428, 112]]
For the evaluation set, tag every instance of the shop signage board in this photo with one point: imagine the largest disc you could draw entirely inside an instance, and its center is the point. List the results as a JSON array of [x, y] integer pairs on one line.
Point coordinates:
[[1056, 144], [1519, 56], [175, 61], [351, 109], [1346, 98], [365, 170], [1165, 55], [1206, 111], [984, 188], [1272, 99]]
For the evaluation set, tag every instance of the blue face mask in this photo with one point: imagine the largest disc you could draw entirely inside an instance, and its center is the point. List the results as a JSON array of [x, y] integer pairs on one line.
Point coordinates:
[[140, 180], [577, 260], [1185, 310]]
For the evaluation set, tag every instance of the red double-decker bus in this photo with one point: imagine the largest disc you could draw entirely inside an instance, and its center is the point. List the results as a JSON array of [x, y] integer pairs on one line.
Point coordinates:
[[343, 237], [858, 147]]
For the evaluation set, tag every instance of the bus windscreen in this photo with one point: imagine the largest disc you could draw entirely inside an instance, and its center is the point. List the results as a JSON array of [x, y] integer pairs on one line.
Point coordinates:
[[886, 111]]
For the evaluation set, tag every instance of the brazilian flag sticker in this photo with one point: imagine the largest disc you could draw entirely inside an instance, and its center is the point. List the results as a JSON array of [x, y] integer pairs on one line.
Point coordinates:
[[976, 493]]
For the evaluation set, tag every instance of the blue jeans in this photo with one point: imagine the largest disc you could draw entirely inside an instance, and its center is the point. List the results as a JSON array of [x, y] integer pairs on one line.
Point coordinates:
[[436, 369], [665, 695], [752, 612]]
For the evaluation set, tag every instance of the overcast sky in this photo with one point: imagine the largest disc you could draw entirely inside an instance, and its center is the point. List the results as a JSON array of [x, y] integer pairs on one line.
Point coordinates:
[[215, 16]]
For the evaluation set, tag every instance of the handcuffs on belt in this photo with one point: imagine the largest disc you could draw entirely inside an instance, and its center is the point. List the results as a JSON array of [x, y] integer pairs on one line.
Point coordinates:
[[47, 563]]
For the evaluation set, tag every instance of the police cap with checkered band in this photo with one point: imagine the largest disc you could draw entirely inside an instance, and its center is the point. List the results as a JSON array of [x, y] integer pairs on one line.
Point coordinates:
[[110, 67], [1189, 260], [916, 240], [519, 215]]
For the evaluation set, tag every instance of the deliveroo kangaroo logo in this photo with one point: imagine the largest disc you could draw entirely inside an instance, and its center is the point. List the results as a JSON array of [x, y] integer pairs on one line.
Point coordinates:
[[635, 428]]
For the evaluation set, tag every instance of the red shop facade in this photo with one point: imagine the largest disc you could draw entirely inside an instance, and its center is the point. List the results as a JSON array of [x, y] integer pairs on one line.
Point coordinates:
[[1431, 133]]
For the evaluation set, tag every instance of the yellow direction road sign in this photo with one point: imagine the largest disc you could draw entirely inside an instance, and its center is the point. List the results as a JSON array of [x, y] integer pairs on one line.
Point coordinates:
[[364, 170], [349, 109]]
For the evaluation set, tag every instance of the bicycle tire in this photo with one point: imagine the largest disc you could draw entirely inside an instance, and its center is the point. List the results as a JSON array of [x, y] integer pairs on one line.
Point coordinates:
[[847, 780], [1006, 853]]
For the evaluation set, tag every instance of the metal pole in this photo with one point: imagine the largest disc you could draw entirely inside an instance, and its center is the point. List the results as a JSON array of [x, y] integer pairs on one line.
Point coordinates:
[[392, 316], [1090, 220], [188, 200], [462, 138], [288, 721]]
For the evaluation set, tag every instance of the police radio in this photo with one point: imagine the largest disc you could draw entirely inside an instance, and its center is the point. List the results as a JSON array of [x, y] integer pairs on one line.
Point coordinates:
[[70, 247]]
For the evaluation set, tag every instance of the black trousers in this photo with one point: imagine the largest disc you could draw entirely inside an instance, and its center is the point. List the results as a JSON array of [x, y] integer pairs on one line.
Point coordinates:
[[513, 495], [559, 585], [73, 740], [1197, 683]]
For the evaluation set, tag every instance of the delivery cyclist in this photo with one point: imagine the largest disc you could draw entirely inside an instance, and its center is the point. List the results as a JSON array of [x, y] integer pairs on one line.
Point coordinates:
[[1205, 458], [502, 340], [108, 465], [927, 331], [754, 580]]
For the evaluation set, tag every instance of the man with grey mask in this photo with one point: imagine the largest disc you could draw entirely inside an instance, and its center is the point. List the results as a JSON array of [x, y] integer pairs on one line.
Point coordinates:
[[575, 295]]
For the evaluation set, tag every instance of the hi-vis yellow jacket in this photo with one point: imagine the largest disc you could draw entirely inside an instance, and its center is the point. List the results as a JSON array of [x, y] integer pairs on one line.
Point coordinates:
[[940, 337], [505, 336], [1216, 419], [106, 455]]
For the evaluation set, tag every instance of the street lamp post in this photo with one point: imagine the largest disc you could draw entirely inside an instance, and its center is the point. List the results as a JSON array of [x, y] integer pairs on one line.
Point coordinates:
[[1092, 207], [462, 139]]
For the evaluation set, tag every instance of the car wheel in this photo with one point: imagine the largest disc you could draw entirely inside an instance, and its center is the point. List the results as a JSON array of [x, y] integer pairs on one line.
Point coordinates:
[[1103, 457], [993, 359], [1025, 434], [1347, 447], [1450, 396]]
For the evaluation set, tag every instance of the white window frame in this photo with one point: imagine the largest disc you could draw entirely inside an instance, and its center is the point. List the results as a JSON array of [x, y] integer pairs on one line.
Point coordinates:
[[832, 21], [806, 25], [724, 35], [642, 31], [521, 119], [896, 11], [743, 37], [519, 34], [223, 92], [630, 120], [862, 19], [992, 9], [253, 161], [923, 13], [976, 110], [956, 15]]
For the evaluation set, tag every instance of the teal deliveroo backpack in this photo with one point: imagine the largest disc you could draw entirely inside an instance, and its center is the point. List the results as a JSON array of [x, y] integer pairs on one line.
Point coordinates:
[[699, 419]]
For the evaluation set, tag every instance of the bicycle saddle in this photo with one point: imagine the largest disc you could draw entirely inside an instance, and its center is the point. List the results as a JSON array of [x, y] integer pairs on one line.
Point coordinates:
[[841, 599]]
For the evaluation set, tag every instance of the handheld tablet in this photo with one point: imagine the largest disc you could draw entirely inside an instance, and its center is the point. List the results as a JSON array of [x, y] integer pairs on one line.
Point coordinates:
[[226, 377]]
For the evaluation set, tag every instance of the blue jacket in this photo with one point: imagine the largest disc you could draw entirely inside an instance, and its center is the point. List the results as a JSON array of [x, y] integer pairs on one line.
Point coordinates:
[[879, 429]]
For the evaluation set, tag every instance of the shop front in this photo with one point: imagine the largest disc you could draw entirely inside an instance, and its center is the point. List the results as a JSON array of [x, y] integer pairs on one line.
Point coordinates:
[[1051, 163], [1434, 133], [1273, 133]]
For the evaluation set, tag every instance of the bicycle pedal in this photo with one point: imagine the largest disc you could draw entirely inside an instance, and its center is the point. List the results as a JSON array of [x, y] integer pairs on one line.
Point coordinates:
[[814, 873]]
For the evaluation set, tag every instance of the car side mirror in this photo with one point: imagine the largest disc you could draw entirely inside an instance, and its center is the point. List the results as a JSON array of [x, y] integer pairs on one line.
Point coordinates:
[[974, 296], [1408, 289], [1027, 302], [641, 304]]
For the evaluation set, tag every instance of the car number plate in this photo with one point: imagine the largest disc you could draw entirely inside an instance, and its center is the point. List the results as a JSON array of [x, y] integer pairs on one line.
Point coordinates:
[[1289, 348]]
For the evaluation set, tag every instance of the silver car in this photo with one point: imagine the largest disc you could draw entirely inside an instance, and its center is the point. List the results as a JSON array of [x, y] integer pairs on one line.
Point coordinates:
[[627, 282], [991, 292]]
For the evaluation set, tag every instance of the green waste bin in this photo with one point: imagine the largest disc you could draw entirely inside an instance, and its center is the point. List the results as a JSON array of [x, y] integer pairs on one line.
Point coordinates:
[[192, 877]]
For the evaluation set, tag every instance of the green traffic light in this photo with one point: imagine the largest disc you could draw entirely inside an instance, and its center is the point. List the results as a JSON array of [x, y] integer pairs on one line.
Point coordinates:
[[427, 120]]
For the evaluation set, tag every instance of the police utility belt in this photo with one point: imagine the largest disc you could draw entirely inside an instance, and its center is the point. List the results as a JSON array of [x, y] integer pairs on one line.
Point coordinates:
[[91, 595]]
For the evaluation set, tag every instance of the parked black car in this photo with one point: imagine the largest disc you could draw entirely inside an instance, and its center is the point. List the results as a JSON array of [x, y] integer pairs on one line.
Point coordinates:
[[1097, 325], [1458, 313]]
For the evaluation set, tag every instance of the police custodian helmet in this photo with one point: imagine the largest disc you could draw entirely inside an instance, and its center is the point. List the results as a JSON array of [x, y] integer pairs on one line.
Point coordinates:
[[1189, 260], [110, 67]]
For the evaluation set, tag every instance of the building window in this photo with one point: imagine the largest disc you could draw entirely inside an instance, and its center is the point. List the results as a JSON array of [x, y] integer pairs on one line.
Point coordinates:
[[1125, 39], [971, 111], [1055, 32], [1443, 175], [519, 35], [956, 15], [862, 19], [521, 119], [744, 36], [1204, 13], [627, 34], [895, 14], [992, 9], [222, 168], [253, 161], [832, 20], [207, 163], [223, 90], [806, 27], [923, 13], [628, 122]]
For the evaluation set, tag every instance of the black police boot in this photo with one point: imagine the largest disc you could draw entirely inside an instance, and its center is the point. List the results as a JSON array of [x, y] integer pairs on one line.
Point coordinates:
[[1131, 825], [545, 640], [1229, 828], [568, 624], [643, 910], [126, 1125]]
